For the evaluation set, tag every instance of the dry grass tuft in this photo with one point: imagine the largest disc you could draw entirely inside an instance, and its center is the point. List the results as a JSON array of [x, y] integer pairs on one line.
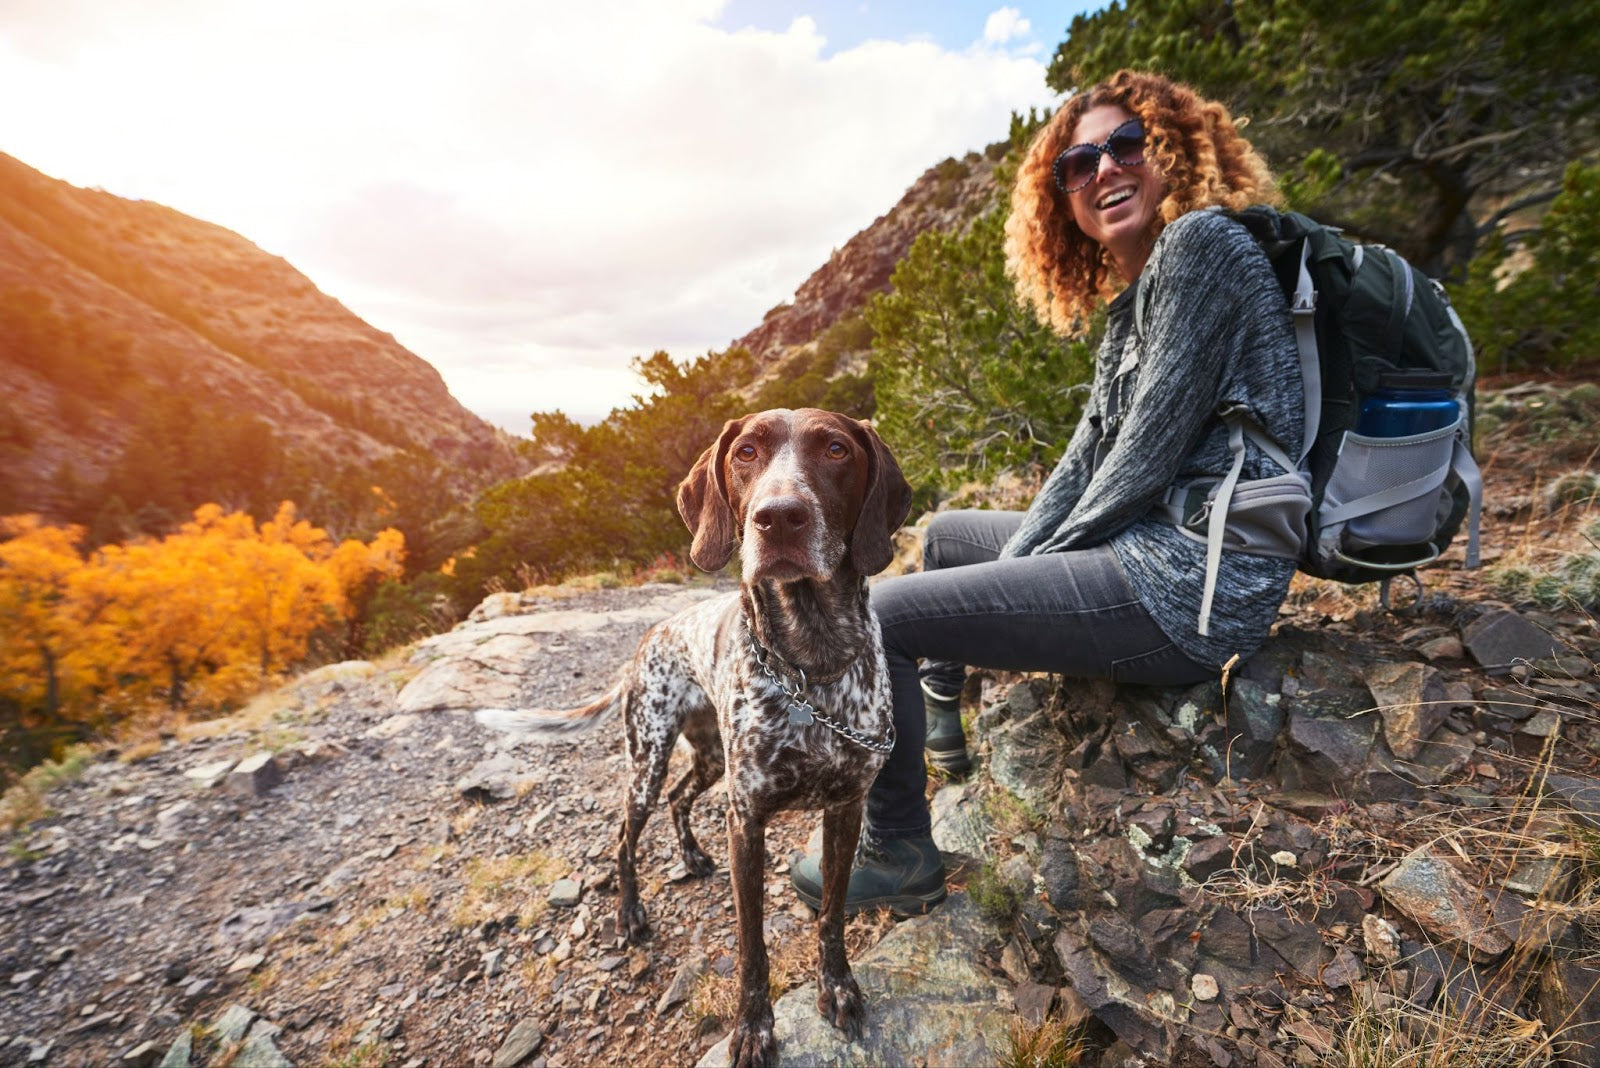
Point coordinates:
[[1054, 1043], [494, 886]]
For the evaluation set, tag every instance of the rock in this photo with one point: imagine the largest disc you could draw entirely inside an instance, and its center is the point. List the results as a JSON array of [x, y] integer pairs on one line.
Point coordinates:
[[1331, 734], [495, 778], [246, 963], [259, 1051], [1058, 869], [491, 677], [1203, 986], [1028, 751], [233, 1024], [181, 1052], [210, 775], [1578, 795], [959, 824], [925, 990], [682, 985], [255, 776], [143, 1055], [1411, 700], [565, 893], [1500, 639], [392, 727], [1344, 971], [523, 1041], [1569, 997], [1255, 721], [1431, 892], [1033, 1002]]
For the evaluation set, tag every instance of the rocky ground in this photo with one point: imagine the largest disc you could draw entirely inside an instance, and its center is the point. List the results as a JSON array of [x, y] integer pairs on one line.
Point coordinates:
[[1381, 834]]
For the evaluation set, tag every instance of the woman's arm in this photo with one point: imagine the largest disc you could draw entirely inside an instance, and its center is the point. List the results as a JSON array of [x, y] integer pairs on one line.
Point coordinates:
[[1210, 287], [1061, 491]]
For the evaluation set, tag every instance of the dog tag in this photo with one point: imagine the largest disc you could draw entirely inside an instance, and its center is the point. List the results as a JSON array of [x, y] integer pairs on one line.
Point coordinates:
[[799, 714]]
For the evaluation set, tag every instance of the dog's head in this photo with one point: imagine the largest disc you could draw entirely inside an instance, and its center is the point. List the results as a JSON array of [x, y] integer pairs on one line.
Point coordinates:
[[806, 492]]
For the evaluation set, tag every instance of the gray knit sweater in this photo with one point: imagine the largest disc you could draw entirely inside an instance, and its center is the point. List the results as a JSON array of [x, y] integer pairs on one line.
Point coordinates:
[[1217, 330]]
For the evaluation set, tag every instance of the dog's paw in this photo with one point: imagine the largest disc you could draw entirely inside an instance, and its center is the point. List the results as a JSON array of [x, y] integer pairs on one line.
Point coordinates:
[[698, 864], [840, 1002], [753, 1045], [632, 923]]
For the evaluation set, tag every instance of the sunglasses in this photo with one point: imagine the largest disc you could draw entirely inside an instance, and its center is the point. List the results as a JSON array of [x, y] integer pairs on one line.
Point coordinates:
[[1077, 166]]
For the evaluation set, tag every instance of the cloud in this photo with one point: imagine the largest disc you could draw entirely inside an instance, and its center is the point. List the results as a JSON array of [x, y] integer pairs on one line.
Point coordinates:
[[512, 189], [1005, 24]]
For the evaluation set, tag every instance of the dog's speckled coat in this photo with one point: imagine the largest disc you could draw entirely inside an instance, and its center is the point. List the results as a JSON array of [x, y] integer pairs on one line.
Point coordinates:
[[812, 498]]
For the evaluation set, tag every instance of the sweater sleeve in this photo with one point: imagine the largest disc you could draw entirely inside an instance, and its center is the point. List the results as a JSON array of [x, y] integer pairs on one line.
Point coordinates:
[[1061, 491], [1204, 295]]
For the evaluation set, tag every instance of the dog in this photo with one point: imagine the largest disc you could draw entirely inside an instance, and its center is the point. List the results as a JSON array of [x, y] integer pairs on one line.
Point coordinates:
[[782, 683]]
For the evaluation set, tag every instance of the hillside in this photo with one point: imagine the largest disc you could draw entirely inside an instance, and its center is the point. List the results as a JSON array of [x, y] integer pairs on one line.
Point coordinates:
[[946, 197], [166, 360], [387, 882]]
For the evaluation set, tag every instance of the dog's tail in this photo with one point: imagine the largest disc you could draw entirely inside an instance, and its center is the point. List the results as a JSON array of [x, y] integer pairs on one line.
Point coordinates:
[[547, 725]]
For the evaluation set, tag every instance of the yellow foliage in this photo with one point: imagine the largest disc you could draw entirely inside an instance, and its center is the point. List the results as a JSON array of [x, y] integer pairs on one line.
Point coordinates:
[[201, 616]]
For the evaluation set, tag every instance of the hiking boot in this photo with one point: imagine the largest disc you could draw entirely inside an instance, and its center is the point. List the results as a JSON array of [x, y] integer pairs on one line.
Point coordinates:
[[904, 875], [946, 744]]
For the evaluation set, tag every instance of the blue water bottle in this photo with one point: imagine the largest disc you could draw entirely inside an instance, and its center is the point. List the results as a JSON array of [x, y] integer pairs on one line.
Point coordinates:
[[1407, 403]]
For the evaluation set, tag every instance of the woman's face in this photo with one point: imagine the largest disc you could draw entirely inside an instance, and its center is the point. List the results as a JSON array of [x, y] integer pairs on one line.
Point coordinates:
[[1117, 208]]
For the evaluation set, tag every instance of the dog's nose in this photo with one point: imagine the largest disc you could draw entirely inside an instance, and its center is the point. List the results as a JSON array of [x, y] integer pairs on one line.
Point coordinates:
[[781, 515]]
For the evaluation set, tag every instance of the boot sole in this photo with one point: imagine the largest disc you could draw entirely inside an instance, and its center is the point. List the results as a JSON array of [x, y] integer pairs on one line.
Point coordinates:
[[901, 905], [951, 762]]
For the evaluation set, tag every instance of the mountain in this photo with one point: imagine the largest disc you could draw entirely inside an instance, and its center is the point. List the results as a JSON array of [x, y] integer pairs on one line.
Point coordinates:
[[947, 197], [152, 361]]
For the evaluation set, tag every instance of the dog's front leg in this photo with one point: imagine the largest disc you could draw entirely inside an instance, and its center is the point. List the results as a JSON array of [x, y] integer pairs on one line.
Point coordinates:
[[753, 1044], [838, 998]]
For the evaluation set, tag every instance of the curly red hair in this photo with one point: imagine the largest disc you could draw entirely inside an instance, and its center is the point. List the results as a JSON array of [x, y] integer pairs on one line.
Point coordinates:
[[1194, 145]]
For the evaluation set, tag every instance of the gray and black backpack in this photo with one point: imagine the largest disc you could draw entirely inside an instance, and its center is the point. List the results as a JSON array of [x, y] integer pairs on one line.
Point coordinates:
[[1354, 507]]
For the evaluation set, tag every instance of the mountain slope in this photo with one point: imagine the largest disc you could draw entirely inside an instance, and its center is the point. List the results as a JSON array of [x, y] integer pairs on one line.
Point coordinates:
[[133, 336]]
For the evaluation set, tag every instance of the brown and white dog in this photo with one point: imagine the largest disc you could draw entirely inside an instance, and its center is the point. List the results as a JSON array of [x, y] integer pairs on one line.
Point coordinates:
[[782, 683]]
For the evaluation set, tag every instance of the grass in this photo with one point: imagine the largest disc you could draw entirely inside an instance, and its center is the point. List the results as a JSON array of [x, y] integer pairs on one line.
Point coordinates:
[[24, 802], [492, 886], [1054, 1043], [996, 897]]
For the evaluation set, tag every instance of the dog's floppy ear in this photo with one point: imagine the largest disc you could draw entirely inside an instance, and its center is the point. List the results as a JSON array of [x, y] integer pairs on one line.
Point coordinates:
[[703, 503], [884, 508]]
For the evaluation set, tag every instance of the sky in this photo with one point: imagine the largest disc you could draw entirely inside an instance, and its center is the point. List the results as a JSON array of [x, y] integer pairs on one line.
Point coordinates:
[[527, 194]]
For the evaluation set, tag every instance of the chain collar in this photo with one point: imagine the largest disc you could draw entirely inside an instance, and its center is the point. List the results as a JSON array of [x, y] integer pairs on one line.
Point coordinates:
[[802, 712]]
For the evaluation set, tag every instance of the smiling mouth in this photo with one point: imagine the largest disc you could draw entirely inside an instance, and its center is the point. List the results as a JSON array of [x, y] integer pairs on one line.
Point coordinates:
[[1114, 198]]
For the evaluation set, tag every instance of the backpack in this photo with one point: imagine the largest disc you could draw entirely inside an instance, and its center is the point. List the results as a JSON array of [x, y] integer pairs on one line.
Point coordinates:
[[1378, 506]]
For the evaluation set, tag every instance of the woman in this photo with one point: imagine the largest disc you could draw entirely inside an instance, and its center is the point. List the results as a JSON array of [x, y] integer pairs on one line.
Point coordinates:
[[1094, 580]]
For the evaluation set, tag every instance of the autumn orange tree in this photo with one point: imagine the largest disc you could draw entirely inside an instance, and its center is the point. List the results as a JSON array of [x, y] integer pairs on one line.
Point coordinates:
[[196, 619]]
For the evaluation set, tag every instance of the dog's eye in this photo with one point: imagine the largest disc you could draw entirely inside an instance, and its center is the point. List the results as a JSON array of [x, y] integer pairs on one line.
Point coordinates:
[[837, 450], [745, 452]]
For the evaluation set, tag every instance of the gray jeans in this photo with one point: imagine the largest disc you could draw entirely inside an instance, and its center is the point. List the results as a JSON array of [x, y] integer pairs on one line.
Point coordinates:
[[1070, 613]]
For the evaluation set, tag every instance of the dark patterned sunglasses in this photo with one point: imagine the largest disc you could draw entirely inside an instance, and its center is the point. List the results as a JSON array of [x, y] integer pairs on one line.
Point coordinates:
[[1077, 166]]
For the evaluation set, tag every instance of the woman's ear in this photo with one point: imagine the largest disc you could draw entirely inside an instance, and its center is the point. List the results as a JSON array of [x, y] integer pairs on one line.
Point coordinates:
[[703, 503]]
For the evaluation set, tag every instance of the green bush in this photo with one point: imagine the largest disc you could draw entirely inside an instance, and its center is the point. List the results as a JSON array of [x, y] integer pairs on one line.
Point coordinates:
[[969, 382], [1547, 315]]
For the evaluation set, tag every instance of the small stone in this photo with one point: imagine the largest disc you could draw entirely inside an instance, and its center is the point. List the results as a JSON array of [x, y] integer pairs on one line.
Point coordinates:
[[682, 985], [181, 1052], [565, 893], [1033, 1002], [492, 962], [1381, 939], [233, 1024], [256, 776], [260, 1052], [211, 775], [246, 963], [1203, 986], [141, 1056], [1433, 894]]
